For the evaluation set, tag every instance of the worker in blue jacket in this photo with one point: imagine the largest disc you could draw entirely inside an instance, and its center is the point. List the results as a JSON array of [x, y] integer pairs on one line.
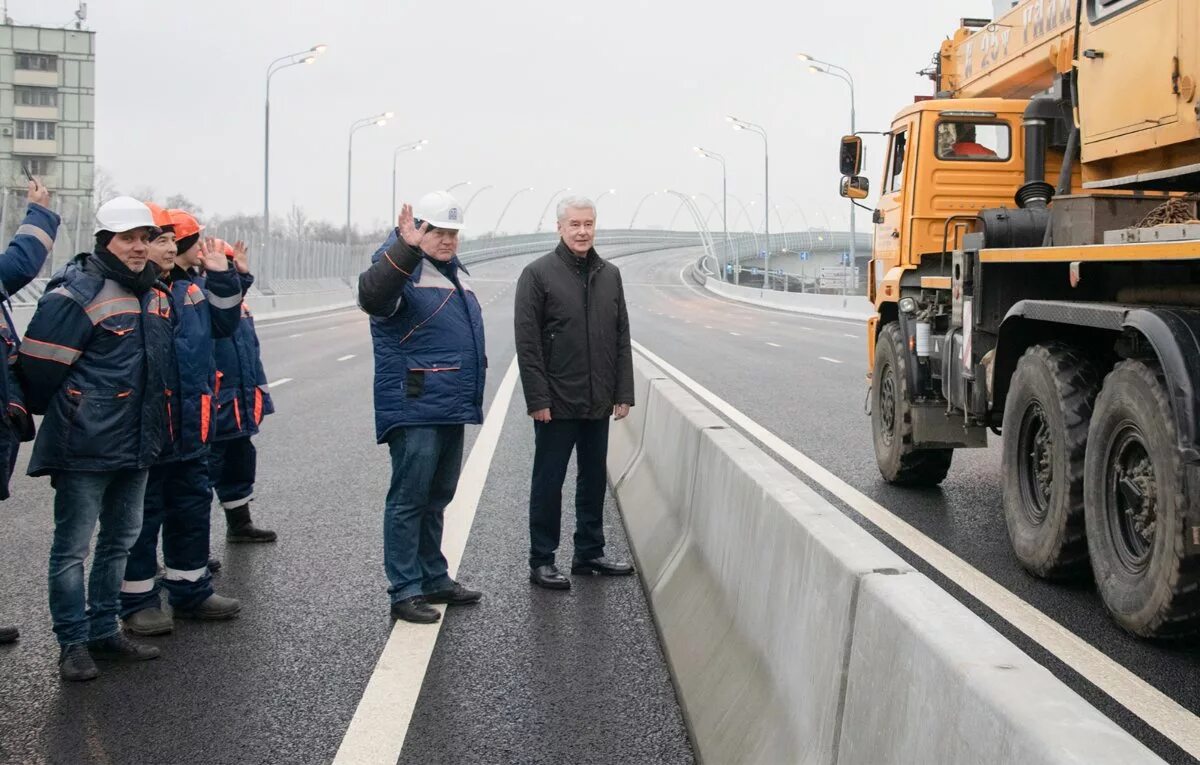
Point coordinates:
[[243, 402], [96, 361], [178, 498], [19, 264], [427, 329]]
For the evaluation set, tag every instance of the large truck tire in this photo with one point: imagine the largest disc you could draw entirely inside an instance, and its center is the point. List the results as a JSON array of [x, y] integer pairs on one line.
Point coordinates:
[[1137, 495], [1046, 417], [891, 419]]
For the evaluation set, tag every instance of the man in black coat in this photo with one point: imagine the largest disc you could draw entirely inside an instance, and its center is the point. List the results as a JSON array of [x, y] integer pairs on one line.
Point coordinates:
[[572, 333]]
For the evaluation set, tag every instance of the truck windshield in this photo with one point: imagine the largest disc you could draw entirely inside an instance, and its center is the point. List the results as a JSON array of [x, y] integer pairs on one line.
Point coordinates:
[[973, 141]]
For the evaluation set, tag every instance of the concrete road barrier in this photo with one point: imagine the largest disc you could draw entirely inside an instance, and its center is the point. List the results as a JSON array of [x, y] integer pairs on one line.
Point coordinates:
[[854, 307], [794, 636], [625, 442]]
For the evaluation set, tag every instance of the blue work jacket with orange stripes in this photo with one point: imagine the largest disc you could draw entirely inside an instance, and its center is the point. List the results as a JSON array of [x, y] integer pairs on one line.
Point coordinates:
[[96, 360], [244, 398], [427, 329], [203, 308]]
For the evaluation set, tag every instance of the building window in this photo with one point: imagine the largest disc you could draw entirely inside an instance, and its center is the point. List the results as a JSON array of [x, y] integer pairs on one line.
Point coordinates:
[[37, 97], [39, 166], [35, 130], [37, 62]]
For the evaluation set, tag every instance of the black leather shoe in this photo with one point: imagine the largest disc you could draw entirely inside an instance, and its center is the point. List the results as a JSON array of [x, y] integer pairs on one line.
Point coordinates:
[[75, 664], [9, 635], [455, 596], [601, 566], [549, 577], [415, 609], [118, 647]]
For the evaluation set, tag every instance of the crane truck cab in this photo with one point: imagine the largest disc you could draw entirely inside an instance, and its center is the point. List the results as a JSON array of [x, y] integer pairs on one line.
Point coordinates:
[[1036, 276]]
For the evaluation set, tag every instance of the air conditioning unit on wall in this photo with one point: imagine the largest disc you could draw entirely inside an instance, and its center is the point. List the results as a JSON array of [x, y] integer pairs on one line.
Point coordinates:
[[6, 131]]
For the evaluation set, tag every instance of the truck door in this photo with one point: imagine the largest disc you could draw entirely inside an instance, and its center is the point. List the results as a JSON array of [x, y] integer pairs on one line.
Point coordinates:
[[889, 235]]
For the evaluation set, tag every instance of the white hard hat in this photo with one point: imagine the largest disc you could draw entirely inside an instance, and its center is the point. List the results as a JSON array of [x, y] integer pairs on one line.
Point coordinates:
[[123, 214], [439, 210]]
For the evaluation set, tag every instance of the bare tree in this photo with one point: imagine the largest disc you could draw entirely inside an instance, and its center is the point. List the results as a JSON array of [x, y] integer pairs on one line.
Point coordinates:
[[180, 202], [297, 225], [105, 188]]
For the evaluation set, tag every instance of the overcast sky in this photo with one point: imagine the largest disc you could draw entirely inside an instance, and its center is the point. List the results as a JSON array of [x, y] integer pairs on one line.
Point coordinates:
[[599, 95]]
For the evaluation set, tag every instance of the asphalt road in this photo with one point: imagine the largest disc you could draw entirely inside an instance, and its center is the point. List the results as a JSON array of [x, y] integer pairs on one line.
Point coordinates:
[[804, 379], [526, 676]]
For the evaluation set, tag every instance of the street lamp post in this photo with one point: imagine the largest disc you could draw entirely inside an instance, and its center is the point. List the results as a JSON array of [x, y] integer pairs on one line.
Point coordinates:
[[460, 183], [638, 209], [482, 189], [843, 74], [603, 194], [739, 124], [414, 146], [705, 153], [379, 120], [278, 65], [508, 204], [549, 202]]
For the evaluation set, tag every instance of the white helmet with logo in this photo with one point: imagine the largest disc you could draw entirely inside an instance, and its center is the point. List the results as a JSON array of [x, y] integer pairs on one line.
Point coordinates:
[[439, 210], [123, 214]]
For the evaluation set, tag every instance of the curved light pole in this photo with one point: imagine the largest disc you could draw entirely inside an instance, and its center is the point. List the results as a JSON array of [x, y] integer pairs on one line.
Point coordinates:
[[739, 124], [460, 183], [278, 65], [706, 154], [549, 202], [482, 189], [638, 209], [833, 70], [508, 204], [378, 120], [414, 146], [603, 194]]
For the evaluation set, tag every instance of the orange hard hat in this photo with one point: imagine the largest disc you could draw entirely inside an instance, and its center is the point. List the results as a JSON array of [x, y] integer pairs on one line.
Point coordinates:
[[185, 224], [162, 218]]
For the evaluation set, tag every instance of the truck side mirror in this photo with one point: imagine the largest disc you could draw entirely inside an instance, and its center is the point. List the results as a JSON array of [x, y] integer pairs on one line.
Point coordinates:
[[855, 188], [851, 155]]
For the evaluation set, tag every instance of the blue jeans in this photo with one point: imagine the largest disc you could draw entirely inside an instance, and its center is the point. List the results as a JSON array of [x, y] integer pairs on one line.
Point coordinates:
[[179, 503], [81, 499], [426, 462]]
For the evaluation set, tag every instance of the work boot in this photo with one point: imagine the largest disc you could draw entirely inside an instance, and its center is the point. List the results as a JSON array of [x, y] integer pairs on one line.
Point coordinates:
[[120, 648], [149, 621], [549, 577], [601, 566], [454, 596], [214, 608], [75, 664], [415, 609], [239, 527], [9, 635]]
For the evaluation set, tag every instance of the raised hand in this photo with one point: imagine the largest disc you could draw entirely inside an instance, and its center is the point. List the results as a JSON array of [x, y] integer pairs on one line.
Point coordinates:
[[38, 193], [240, 261], [212, 255], [409, 232]]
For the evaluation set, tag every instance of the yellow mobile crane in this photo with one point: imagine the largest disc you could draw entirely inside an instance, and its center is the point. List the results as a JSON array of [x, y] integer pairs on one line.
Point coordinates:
[[1062, 314]]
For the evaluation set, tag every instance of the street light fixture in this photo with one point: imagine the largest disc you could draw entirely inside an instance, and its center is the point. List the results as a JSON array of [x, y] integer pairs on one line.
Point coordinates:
[[482, 189], [604, 194], [549, 202], [377, 120], [460, 183], [278, 65], [739, 124], [508, 204], [638, 209], [414, 146], [833, 70], [706, 154]]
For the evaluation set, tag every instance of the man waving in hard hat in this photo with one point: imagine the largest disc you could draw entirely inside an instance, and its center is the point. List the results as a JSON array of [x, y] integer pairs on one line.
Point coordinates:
[[95, 361], [427, 328]]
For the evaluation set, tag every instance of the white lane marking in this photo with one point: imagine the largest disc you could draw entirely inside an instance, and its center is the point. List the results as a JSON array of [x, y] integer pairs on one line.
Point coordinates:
[[347, 357], [706, 326], [847, 334], [280, 381], [736, 334], [380, 723], [298, 334], [1160, 711], [831, 361], [267, 324], [775, 345]]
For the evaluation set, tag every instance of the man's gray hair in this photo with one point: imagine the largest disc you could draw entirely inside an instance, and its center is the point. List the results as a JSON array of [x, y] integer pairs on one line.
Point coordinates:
[[575, 203]]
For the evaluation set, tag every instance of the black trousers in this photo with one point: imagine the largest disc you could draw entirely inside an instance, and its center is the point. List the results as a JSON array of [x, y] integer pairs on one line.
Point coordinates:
[[554, 442]]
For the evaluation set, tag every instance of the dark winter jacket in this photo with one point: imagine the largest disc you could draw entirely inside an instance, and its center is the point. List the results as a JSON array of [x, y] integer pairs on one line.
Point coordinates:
[[97, 361], [19, 264], [203, 308], [243, 399], [427, 328], [572, 333]]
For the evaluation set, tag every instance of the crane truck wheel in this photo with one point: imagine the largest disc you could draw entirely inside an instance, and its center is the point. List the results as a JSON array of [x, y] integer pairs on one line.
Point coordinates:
[[1046, 418], [891, 419], [1136, 497]]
